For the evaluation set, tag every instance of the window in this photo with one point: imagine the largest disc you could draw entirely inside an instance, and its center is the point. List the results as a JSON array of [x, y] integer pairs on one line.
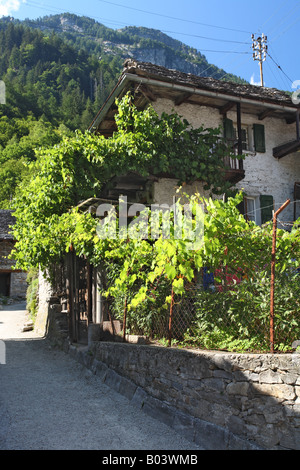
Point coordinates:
[[253, 137], [259, 138], [258, 209], [245, 137], [250, 209], [267, 207], [231, 134]]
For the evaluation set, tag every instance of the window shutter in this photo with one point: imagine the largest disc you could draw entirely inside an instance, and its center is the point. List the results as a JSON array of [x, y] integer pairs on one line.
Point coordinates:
[[259, 138], [266, 206], [228, 129]]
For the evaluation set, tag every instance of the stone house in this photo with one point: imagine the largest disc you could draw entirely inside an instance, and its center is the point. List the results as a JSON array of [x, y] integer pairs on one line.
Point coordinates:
[[230, 401], [262, 123], [12, 282]]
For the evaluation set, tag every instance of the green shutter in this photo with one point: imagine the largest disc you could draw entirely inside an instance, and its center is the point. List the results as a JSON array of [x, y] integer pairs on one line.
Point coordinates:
[[228, 129], [266, 206], [259, 138]]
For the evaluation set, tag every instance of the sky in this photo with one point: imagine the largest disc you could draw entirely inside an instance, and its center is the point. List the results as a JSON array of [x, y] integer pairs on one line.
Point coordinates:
[[221, 30]]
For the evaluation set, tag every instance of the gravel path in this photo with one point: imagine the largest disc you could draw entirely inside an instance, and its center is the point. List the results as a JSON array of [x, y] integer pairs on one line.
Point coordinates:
[[48, 401]]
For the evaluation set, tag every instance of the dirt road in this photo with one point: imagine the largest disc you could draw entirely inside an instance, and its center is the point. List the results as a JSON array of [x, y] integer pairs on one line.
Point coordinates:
[[50, 402]]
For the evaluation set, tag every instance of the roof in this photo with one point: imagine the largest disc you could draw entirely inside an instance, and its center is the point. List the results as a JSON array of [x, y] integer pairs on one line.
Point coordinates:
[[271, 95], [6, 221], [151, 82]]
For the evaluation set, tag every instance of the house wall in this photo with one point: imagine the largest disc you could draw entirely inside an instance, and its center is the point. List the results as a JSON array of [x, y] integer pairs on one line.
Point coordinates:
[[18, 284], [265, 175]]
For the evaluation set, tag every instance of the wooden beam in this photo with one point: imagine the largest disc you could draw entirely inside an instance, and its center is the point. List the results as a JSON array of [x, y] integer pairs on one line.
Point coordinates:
[[265, 114], [147, 92], [182, 98], [227, 107], [291, 120], [286, 149], [239, 126]]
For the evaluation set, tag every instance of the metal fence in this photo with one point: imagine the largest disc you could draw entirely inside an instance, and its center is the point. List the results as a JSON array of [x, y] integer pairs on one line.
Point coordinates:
[[229, 313], [225, 308]]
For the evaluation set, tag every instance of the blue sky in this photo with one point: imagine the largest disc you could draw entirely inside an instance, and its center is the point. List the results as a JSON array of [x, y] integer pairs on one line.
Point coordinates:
[[221, 30]]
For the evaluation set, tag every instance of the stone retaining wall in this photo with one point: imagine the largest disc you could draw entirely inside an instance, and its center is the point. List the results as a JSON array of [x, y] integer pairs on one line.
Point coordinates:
[[238, 399], [218, 400]]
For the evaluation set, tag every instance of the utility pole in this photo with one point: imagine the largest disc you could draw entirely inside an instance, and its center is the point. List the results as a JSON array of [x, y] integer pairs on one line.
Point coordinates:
[[260, 48]]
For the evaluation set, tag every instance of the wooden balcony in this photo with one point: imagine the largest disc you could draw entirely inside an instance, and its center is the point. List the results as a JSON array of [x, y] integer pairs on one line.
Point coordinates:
[[234, 170]]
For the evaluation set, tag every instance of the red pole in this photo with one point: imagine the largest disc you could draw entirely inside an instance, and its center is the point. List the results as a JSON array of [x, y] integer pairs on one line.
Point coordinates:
[[273, 263]]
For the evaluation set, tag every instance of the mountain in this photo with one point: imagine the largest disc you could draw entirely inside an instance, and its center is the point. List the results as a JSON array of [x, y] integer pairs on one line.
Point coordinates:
[[148, 45], [58, 70]]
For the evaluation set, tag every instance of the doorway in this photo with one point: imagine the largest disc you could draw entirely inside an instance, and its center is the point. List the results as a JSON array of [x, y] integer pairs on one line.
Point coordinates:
[[5, 284]]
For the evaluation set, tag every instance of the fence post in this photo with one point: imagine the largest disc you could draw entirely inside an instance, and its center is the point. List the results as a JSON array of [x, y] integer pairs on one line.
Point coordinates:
[[273, 263], [171, 317], [125, 319]]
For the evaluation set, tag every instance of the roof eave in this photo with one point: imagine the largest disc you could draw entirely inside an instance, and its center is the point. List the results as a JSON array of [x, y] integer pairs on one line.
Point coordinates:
[[127, 78]]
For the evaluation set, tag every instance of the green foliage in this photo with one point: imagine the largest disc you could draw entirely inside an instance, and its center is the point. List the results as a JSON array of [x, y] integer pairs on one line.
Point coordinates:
[[60, 76], [239, 319], [52, 88], [78, 166], [145, 271]]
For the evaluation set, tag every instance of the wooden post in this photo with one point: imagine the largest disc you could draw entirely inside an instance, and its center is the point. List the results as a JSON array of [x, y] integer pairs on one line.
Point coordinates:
[[297, 125], [89, 293], [71, 290], [240, 141], [273, 264]]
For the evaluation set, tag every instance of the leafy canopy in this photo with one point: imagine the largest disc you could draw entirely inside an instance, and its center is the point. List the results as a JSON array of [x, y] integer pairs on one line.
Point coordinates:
[[78, 167]]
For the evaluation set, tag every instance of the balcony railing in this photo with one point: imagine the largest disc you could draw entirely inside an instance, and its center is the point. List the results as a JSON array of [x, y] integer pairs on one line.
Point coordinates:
[[234, 169]]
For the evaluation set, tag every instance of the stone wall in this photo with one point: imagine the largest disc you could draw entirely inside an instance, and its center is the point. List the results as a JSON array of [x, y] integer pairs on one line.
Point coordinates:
[[238, 399], [218, 400], [18, 284]]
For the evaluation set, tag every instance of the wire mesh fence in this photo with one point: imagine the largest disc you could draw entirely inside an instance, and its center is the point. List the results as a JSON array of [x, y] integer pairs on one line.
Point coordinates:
[[225, 308], [223, 315]]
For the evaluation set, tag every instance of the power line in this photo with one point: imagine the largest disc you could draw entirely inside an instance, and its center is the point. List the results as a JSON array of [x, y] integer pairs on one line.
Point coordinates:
[[174, 18], [274, 76], [204, 37], [274, 13], [49, 8], [291, 81], [59, 10], [30, 3], [284, 19], [281, 34]]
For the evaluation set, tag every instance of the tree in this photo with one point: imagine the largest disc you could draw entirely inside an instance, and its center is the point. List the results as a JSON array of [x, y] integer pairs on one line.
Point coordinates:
[[78, 167]]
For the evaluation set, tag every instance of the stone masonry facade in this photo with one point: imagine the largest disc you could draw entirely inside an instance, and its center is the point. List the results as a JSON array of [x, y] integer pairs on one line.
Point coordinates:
[[14, 279], [240, 400], [264, 175]]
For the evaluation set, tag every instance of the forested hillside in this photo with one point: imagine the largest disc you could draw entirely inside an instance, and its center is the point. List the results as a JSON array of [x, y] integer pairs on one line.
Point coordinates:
[[52, 88], [58, 70]]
